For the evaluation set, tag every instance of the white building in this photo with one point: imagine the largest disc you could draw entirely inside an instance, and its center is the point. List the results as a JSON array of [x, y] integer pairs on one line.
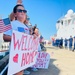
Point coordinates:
[[66, 25]]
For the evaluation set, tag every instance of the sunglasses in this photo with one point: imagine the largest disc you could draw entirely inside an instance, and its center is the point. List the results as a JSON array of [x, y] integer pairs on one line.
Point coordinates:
[[20, 11]]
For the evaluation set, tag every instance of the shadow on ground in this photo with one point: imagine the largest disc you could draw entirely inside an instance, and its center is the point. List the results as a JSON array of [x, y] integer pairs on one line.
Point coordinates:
[[52, 48], [52, 70]]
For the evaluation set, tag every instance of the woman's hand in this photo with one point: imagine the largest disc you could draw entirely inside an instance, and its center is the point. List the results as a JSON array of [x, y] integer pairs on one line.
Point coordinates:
[[6, 38]]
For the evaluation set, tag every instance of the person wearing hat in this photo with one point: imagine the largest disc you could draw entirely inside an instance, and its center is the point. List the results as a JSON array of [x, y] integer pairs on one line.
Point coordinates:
[[74, 44]]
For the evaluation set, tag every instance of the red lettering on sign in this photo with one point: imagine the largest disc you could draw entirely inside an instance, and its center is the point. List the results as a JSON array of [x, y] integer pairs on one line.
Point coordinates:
[[29, 43], [24, 42], [20, 43], [28, 58], [42, 55], [32, 45], [17, 42], [35, 44]]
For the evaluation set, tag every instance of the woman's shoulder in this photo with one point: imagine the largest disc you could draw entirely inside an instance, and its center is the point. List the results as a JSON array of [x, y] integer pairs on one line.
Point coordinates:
[[16, 22], [13, 22]]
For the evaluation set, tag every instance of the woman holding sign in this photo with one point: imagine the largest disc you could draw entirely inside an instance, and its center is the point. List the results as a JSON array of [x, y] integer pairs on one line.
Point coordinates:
[[17, 24]]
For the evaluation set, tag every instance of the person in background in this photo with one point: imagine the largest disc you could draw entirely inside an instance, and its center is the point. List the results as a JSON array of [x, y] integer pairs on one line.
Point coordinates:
[[70, 42], [18, 25], [42, 43], [66, 42], [61, 43], [53, 42], [36, 34], [26, 71], [74, 44]]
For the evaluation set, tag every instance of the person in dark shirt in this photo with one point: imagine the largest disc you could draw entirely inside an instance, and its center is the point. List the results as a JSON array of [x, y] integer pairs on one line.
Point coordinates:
[[70, 42], [61, 43], [66, 42], [74, 44]]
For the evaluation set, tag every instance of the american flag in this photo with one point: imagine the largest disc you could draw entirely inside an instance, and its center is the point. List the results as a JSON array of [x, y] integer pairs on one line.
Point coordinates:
[[4, 25]]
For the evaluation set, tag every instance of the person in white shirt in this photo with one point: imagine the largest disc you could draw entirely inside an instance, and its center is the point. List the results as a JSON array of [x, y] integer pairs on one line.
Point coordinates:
[[18, 24]]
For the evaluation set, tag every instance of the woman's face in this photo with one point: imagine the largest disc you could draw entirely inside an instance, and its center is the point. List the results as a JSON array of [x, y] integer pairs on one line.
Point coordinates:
[[20, 13], [36, 31]]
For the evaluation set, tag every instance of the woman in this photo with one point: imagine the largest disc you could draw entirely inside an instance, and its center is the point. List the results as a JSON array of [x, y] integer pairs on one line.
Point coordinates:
[[17, 24], [11, 16], [36, 34]]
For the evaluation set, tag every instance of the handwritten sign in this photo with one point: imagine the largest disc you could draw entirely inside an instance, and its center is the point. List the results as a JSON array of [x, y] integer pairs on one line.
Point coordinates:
[[43, 60], [23, 52]]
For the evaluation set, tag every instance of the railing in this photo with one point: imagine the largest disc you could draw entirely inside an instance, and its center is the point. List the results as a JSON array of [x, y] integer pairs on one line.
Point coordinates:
[[4, 57], [4, 64], [4, 71]]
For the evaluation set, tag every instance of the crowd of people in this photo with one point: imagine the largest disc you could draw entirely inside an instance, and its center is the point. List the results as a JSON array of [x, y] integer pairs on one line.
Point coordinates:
[[67, 43]]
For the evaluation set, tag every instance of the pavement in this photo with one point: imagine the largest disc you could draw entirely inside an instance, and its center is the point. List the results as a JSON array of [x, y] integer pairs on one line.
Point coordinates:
[[62, 62]]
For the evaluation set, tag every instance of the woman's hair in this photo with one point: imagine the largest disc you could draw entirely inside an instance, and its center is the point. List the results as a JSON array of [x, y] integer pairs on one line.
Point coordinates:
[[35, 27], [25, 20], [15, 8]]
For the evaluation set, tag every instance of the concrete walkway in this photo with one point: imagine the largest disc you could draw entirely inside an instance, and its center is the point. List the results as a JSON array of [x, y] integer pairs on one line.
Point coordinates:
[[62, 62]]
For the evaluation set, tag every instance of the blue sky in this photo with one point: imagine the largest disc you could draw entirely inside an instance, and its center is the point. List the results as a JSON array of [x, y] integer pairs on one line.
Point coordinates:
[[44, 13]]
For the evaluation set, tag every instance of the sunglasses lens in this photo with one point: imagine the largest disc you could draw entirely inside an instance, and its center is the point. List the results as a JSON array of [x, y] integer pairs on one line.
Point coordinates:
[[25, 11], [19, 10]]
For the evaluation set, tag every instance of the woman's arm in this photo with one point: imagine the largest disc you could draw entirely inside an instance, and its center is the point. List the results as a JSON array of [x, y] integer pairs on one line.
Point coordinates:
[[6, 38]]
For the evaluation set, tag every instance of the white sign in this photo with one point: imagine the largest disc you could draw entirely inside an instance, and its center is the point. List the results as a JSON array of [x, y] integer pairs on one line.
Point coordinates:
[[23, 52], [43, 60]]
